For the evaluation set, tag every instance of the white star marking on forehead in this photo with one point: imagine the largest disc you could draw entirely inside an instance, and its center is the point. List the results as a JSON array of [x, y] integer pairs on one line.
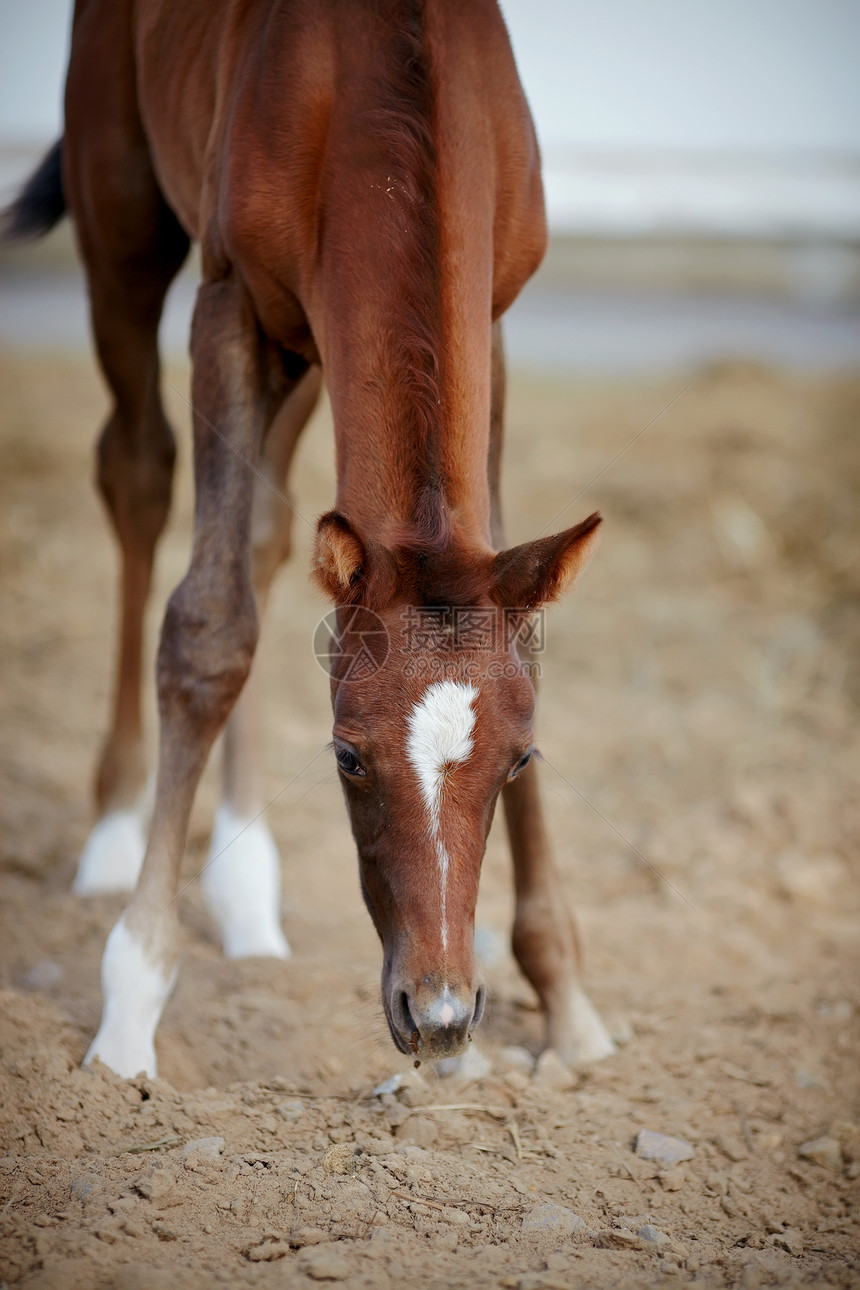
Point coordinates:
[[440, 736]]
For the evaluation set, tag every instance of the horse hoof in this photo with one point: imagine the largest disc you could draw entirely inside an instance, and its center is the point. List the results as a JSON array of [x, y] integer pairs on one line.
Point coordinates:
[[590, 1040], [124, 1060]]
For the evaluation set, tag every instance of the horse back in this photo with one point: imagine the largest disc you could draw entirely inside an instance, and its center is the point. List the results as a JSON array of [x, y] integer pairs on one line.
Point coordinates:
[[297, 139]]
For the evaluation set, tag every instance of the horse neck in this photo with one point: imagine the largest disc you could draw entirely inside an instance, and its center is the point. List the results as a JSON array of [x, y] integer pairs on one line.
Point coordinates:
[[412, 425], [406, 260]]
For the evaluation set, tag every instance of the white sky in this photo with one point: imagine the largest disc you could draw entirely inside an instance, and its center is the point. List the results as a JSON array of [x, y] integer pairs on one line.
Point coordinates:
[[739, 75], [748, 75]]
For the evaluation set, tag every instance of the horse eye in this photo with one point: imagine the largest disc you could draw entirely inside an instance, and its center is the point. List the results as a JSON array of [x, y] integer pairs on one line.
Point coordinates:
[[349, 763], [521, 764]]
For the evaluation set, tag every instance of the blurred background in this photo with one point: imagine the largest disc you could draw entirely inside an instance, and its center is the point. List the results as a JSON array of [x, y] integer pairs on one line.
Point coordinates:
[[702, 169]]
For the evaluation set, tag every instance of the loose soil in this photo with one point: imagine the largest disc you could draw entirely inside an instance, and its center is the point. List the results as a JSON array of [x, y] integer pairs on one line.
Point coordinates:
[[699, 728]]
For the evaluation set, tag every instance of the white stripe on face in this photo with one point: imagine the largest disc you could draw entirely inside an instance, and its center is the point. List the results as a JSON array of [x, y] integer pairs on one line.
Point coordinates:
[[440, 737]]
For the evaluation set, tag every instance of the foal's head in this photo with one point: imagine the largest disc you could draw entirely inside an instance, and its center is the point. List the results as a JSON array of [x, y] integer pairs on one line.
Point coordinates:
[[433, 712]]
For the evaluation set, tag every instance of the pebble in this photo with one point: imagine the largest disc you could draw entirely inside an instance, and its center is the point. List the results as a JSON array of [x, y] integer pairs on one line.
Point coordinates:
[[81, 1188], [661, 1148], [123, 1204], [410, 1082], [517, 1081], [848, 1134], [556, 1219], [325, 1265], [457, 1217], [339, 1159], [673, 1179], [790, 1240], [268, 1251], [307, 1236], [157, 1185], [203, 1153], [391, 1085], [732, 1148], [824, 1151], [446, 1241], [42, 975], [617, 1238], [653, 1235]]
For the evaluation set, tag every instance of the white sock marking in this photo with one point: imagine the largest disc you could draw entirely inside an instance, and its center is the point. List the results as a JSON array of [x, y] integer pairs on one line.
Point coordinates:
[[135, 991], [113, 852], [440, 737], [242, 885]]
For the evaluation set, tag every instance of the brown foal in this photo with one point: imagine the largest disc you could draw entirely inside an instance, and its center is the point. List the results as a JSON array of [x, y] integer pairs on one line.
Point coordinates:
[[363, 179]]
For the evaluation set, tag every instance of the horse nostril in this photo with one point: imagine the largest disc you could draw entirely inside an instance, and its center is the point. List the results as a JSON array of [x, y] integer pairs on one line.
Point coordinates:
[[480, 1004], [407, 1021]]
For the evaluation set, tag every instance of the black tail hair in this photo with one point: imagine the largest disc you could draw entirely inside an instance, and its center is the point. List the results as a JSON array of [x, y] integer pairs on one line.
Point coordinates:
[[40, 204]]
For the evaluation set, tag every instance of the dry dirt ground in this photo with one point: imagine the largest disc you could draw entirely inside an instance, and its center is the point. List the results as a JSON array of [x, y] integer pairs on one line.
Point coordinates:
[[699, 722]]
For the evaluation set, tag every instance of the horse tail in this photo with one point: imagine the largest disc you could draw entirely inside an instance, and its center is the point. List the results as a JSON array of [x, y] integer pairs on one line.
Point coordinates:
[[40, 204]]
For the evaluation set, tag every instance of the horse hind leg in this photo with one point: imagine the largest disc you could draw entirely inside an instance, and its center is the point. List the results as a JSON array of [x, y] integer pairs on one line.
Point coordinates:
[[135, 459], [241, 878]]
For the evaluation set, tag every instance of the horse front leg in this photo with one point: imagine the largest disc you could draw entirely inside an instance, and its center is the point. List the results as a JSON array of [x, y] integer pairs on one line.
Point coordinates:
[[544, 939], [207, 644], [545, 942], [241, 879]]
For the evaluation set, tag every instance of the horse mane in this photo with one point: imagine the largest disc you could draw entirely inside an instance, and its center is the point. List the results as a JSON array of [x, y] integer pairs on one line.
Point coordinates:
[[403, 120], [446, 571]]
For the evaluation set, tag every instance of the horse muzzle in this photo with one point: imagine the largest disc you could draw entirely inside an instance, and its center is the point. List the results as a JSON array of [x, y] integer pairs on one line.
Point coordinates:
[[432, 1023]]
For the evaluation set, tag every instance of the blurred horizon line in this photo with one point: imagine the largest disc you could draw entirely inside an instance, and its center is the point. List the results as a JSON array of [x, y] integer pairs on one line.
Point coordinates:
[[607, 192]]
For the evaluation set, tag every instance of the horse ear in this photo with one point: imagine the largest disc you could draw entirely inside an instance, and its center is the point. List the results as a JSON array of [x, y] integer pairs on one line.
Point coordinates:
[[340, 558], [527, 576]]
